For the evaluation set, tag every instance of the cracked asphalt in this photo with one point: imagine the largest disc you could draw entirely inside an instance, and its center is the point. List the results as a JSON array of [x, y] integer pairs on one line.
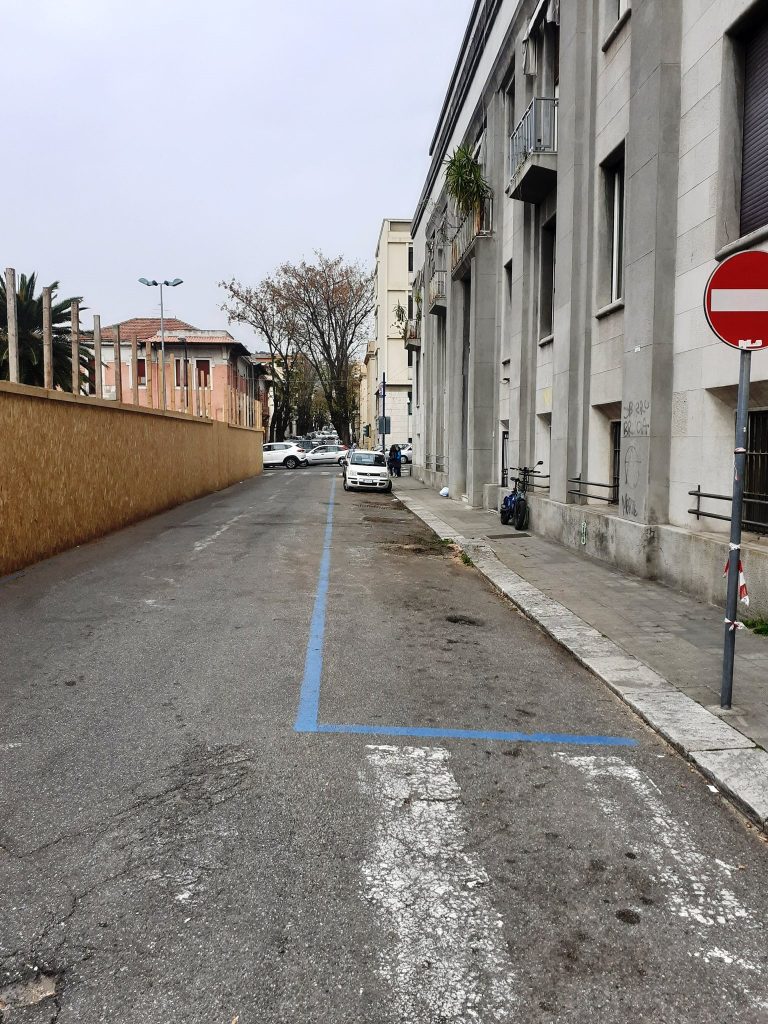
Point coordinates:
[[172, 851]]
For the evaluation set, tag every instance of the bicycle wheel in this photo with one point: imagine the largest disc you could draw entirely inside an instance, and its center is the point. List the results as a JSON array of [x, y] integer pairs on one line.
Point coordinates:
[[521, 514]]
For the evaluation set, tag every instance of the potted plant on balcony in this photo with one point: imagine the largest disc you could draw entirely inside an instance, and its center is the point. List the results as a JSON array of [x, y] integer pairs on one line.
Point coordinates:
[[465, 182]]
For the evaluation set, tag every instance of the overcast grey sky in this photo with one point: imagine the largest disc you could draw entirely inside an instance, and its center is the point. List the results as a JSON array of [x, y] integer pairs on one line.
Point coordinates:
[[201, 140]]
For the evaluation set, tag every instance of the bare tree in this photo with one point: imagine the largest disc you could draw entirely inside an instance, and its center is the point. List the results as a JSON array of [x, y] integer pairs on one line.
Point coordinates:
[[258, 307], [328, 303]]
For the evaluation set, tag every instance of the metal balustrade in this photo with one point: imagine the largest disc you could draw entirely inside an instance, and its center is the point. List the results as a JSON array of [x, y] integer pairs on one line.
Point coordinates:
[[535, 133]]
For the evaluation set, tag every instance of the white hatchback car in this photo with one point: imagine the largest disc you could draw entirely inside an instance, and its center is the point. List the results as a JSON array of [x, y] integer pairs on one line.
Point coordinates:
[[327, 455], [367, 469], [284, 453]]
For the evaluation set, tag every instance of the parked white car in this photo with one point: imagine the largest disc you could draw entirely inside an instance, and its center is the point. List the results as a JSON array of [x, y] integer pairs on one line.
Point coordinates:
[[327, 454], [367, 469], [284, 453], [406, 453]]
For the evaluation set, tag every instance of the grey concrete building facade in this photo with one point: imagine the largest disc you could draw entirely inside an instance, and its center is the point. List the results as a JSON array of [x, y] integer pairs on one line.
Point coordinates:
[[563, 322]]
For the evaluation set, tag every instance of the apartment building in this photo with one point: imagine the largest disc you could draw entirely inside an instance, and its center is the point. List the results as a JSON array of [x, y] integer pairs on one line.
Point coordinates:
[[207, 372], [386, 357], [562, 320]]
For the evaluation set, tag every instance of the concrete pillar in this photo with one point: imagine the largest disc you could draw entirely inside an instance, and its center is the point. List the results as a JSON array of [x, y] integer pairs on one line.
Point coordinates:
[[118, 367], [74, 335], [651, 172], [47, 339], [481, 376], [572, 314], [98, 378], [454, 357], [13, 325], [135, 369]]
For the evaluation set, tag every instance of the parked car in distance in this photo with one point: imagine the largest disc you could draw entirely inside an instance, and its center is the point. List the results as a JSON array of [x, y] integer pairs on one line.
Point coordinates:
[[284, 453], [327, 455], [367, 469], [406, 453]]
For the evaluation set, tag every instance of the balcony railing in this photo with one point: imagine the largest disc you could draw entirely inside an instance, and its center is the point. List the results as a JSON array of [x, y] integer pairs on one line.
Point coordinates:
[[414, 330], [479, 222], [536, 133], [437, 283]]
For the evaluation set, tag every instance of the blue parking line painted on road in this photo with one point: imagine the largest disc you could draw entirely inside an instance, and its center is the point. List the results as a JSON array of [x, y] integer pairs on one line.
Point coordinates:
[[309, 700], [478, 734]]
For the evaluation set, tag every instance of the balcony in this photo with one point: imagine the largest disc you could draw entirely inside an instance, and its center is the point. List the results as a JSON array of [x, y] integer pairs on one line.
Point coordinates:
[[437, 290], [474, 225], [533, 152], [413, 334]]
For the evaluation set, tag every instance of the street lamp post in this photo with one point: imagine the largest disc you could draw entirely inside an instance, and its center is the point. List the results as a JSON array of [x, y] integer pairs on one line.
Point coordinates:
[[168, 284]]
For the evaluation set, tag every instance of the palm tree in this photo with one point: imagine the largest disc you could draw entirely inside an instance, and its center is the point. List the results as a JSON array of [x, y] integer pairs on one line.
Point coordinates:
[[29, 311]]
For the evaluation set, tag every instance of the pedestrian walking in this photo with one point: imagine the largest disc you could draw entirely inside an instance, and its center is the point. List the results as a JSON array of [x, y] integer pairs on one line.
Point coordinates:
[[397, 460], [391, 459]]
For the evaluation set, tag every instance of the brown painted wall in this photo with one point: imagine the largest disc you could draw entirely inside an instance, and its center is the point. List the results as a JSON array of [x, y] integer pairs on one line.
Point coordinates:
[[72, 468]]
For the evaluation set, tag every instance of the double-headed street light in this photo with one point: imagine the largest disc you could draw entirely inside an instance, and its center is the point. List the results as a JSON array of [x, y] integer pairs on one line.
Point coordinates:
[[168, 284]]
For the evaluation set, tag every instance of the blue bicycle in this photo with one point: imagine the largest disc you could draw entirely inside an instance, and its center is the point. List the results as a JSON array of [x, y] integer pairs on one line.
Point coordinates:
[[514, 508]]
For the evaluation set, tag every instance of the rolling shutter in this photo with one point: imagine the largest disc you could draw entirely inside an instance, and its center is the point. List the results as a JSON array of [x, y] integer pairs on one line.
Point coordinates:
[[754, 168]]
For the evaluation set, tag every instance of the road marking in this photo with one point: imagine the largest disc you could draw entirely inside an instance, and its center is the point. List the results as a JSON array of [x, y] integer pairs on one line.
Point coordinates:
[[10, 746], [696, 886], [201, 545], [450, 960], [307, 717], [479, 734], [309, 700]]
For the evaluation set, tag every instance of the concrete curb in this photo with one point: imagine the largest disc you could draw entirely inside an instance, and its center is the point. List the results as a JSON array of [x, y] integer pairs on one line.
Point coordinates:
[[733, 762]]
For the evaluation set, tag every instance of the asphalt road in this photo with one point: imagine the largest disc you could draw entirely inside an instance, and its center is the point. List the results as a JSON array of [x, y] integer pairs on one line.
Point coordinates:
[[172, 849]]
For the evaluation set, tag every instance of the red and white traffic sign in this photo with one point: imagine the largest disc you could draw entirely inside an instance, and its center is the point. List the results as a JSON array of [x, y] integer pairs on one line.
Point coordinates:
[[736, 300]]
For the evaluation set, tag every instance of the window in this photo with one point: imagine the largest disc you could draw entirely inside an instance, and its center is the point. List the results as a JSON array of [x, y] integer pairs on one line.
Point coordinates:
[[141, 372], [410, 306], [616, 228], [410, 357], [754, 160], [547, 289], [615, 9], [410, 403], [203, 368], [180, 376], [755, 514], [410, 259], [615, 459]]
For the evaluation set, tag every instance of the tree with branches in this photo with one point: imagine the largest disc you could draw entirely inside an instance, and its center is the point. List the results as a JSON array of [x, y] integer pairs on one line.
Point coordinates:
[[328, 303], [259, 308]]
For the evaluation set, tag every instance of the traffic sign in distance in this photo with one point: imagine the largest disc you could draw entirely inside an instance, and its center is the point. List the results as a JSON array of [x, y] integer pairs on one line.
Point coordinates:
[[736, 301]]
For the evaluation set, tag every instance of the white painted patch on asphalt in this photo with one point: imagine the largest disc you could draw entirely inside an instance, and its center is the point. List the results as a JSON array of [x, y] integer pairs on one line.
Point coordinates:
[[201, 545], [9, 746], [696, 886], [449, 960]]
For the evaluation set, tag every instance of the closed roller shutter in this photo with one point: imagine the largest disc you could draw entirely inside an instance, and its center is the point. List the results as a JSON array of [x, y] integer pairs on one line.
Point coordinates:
[[754, 170]]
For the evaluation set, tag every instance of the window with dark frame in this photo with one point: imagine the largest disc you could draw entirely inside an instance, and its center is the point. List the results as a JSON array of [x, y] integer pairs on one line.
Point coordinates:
[[615, 459], [410, 306], [754, 159], [547, 289], [203, 370], [755, 513], [615, 175], [181, 373], [410, 259], [141, 372]]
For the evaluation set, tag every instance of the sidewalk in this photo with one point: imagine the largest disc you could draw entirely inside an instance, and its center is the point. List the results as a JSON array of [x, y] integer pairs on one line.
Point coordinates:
[[612, 621]]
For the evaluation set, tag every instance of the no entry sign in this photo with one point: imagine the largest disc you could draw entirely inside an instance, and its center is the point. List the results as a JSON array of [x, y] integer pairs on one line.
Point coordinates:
[[736, 301]]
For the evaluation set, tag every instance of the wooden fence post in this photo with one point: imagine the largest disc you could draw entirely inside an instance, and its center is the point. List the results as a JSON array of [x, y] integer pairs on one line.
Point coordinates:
[[118, 367], [148, 374], [13, 325], [75, 339], [135, 369], [48, 340]]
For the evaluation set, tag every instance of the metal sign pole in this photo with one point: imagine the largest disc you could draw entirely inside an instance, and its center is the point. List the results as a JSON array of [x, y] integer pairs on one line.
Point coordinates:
[[739, 464]]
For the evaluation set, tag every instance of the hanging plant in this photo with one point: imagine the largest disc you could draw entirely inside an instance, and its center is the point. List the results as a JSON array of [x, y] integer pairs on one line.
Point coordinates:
[[464, 181]]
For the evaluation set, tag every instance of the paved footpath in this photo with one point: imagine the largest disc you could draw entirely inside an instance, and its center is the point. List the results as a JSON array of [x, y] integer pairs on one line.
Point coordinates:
[[278, 756], [649, 643]]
